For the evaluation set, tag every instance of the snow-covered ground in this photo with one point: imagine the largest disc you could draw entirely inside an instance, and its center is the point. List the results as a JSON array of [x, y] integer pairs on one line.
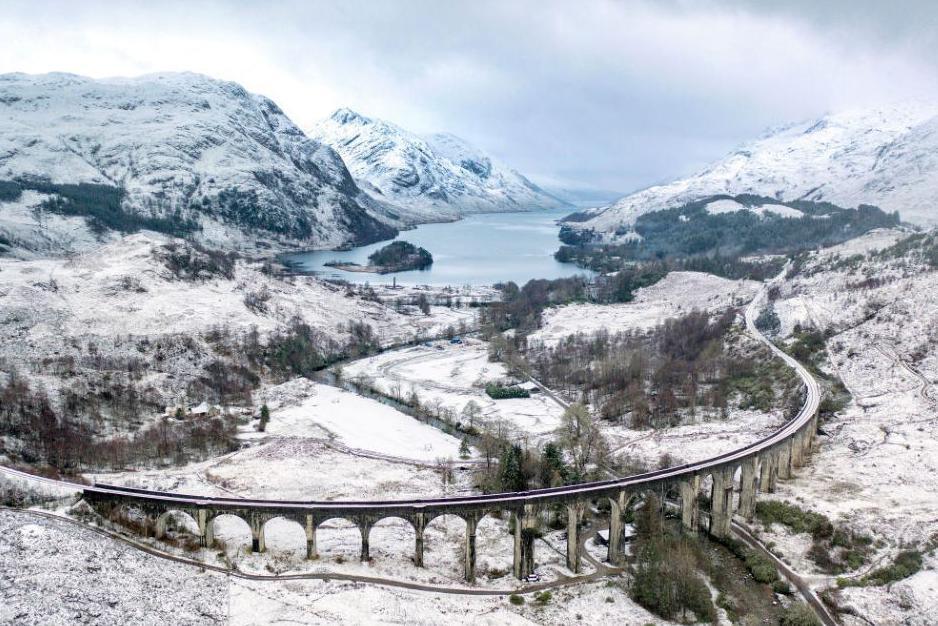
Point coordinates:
[[702, 438], [726, 205], [313, 602], [677, 294], [876, 465], [56, 573], [122, 304], [317, 410], [451, 376], [293, 468], [88, 294]]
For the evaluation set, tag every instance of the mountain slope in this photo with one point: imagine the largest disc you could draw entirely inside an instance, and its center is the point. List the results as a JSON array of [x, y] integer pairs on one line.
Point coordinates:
[[433, 178], [182, 147], [886, 156]]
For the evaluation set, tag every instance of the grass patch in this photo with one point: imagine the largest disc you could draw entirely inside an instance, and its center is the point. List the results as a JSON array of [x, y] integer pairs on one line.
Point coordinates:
[[834, 550], [796, 519], [800, 615], [907, 563]]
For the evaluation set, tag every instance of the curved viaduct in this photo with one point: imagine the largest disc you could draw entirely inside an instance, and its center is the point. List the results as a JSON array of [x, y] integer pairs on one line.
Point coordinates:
[[735, 478]]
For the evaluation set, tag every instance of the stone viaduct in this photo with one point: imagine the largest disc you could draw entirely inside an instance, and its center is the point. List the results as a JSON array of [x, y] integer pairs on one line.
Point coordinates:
[[734, 479]]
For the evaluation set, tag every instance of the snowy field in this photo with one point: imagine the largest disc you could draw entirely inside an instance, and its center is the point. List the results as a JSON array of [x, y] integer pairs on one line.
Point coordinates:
[[677, 294], [55, 573], [703, 438], [290, 468], [88, 294], [312, 602], [453, 375], [302, 408]]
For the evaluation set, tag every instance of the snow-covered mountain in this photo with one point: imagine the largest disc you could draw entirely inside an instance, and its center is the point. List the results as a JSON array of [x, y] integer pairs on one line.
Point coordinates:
[[432, 178], [887, 156], [180, 146]]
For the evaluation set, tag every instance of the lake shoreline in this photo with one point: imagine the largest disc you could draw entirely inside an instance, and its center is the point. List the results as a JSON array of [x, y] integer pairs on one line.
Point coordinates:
[[480, 249]]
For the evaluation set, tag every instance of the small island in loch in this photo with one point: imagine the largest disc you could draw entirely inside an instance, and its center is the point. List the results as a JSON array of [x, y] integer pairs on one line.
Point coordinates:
[[397, 256]]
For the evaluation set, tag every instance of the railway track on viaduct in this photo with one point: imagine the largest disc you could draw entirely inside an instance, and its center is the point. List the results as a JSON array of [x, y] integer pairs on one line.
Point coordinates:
[[734, 478]]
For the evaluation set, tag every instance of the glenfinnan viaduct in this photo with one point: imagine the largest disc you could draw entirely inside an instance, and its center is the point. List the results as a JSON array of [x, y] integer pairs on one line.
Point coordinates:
[[734, 480]]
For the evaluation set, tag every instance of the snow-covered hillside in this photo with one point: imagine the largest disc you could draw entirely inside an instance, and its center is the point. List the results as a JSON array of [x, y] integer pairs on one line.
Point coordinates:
[[886, 156], [433, 178], [182, 146]]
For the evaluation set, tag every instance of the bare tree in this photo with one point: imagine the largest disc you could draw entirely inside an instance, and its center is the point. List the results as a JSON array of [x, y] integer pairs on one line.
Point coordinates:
[[582, 437]]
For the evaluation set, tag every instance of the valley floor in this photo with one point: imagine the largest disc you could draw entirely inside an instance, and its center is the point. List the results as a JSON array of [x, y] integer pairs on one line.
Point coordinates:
[[874, 470]]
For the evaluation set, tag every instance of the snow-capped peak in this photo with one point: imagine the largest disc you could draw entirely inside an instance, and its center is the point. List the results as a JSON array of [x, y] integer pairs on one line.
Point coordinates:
[[886, 156], [348, 116], [436, 177]]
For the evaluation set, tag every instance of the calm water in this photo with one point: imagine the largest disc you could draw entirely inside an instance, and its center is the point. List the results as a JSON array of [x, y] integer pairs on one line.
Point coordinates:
[[478, 250]]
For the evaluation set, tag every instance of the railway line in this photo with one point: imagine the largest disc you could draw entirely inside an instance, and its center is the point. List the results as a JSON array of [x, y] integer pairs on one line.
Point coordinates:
[[756, 465]]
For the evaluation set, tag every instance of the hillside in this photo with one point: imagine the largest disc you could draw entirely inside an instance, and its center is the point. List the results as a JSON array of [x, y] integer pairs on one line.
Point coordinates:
[[887, 157], [204, 155], [435, 178]]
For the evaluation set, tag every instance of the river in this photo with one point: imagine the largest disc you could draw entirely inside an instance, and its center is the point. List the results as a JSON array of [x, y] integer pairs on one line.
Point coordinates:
[[478, 250]]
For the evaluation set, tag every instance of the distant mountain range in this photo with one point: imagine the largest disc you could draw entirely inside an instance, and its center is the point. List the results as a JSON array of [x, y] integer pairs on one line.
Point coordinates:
[[885, 156], [429, 178], [81, 159], [182, 148]]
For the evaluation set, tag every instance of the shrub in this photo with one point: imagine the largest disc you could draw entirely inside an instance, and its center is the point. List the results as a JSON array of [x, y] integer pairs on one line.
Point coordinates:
[[798, 520], [497, 391], [799, 615], [193, 262], [763, 570], [516, 599], [906, 564], [782, 587], [543, 597]]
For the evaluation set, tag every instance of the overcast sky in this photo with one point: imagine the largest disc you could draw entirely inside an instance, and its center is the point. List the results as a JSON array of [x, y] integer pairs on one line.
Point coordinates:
[[617, 95]]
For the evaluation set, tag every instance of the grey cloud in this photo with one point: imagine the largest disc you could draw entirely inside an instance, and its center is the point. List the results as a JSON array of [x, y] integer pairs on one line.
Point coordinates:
[[614, 94]]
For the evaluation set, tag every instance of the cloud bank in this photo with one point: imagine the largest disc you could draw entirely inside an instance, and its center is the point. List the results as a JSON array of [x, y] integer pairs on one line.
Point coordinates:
[[615, 95]]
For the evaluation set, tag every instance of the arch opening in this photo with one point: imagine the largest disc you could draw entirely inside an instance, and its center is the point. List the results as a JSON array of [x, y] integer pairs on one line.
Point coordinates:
[[495, 545], [338, 539], [229, 533], [393, 538], [283, 535], [444, 538]]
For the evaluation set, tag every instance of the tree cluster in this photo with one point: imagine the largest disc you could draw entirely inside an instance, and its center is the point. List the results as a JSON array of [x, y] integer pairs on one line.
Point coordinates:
[[399, 256]]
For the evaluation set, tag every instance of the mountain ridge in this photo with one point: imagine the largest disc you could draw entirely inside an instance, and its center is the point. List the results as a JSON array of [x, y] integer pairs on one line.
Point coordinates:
[[179, 144], [435, 177], [884, 156]]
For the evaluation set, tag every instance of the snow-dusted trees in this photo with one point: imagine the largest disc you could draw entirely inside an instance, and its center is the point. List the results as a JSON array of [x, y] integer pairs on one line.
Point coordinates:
[[470, 413], [581, 436]]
